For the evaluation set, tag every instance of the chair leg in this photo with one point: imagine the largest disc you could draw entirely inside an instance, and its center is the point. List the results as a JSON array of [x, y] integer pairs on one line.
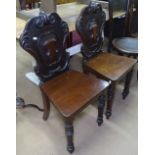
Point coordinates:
[[69, 134], [46, 104], [127, 84], [101, 104], [111, 93]]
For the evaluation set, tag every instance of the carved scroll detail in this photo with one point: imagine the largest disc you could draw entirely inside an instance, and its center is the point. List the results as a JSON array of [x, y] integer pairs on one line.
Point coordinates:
[[90, 26], [44, 37]]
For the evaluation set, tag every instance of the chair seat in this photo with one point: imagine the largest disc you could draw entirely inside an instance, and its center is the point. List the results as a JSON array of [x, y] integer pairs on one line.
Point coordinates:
[[72, 90], [126, 45], [110, 66]]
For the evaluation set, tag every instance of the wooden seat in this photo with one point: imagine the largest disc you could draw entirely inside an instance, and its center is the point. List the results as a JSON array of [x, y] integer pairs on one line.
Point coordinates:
[[109, 66], [90, 25], [72, 91], [44, 37]]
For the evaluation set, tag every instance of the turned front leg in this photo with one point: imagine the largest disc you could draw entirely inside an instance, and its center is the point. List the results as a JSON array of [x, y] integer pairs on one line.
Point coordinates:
[[101, 104], [69, 134], [110, 97], [127, 84], [46, 104]]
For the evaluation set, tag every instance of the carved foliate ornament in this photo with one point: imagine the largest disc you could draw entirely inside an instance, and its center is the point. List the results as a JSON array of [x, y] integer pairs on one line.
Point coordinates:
[[90, 26], [44, 37]]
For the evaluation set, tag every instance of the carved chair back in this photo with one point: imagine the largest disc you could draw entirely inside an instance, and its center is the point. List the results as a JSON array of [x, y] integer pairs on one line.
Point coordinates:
[[90, 26], [44, 37]]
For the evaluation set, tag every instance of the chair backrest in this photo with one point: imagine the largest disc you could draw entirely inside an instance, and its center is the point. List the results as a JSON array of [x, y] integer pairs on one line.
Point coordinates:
[[90, 26], [44, 37]]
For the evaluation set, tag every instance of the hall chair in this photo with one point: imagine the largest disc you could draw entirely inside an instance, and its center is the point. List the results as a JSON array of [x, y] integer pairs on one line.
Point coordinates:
[[106, 66], [44, 37]]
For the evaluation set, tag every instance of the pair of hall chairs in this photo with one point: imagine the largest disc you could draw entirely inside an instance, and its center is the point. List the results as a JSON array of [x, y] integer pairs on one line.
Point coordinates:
[[44, 37]]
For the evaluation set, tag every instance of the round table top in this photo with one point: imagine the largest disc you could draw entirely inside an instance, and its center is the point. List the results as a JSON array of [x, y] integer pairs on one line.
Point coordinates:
[[126, 45]]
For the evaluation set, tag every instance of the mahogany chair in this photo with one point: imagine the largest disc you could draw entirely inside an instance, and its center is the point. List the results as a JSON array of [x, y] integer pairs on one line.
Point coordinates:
[[126, 45], [44, 37], [90, 26]]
